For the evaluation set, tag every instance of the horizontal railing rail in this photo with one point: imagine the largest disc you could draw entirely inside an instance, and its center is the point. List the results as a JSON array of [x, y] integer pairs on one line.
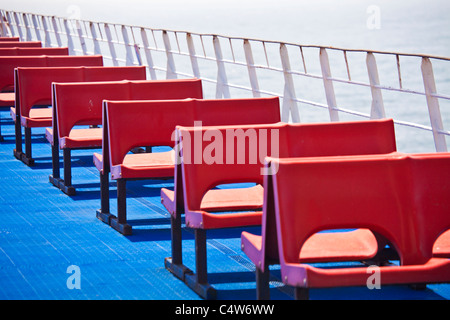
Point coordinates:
[[315, 83]]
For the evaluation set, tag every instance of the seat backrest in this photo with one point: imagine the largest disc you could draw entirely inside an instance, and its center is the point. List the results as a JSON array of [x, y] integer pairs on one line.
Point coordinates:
[[340, 138], [82, 102], [74, 61], [9, 39], [403, 198], [31, 51], [8, 64], [246, 161], [34, 85], [153, 123], [17, 44]]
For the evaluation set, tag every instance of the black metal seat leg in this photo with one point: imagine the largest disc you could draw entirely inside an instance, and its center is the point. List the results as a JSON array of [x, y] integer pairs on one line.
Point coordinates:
[[175, 233], [55, 177], [66, 184], [198, 281], [103, 213], [18, 137], [175, 263], [262, 284], [301, 293], [18, 153], [119, 223]]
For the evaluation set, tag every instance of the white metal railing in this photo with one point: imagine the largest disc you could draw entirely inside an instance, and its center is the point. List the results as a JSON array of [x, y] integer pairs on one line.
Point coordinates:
[[314, 83]]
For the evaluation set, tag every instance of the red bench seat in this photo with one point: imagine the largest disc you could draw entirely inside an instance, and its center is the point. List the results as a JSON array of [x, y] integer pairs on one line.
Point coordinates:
[[403, 198], [81, 103], [30, 51], [294, 140], [152, 123], [20, 44], [8, 64], [7, 99], [9, 39], [79, 138], [34, 88]]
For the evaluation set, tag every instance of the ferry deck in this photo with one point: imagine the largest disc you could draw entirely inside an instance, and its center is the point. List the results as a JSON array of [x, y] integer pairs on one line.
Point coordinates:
[[45, 234]]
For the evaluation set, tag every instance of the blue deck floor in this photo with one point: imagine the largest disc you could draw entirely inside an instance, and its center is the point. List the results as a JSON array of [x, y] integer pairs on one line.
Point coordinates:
[[43, 232]]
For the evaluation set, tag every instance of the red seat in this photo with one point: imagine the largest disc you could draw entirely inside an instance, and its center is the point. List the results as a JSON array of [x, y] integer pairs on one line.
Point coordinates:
[[403, 198], [34, 88], [81, 103], [9, 63], [9, 39], [17, 44], [442, 246], [31, 51], [152, 123], [284, 140], [7, 99]]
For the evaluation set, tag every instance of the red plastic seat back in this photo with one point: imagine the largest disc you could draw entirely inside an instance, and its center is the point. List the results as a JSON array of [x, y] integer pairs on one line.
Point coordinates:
[[152, 123], [78, 103], [17, 44], [8, 64], [30, 51], [404, 198], [34, 85], [142, 123], [134, 73], [82, 102], [74, 61], [9, 39], [340, 138], [167, 89], [292, 140], [225, 154]]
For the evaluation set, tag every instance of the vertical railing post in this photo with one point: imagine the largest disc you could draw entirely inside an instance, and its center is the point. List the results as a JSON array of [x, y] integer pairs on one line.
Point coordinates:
[[129, 52], [111, 45], [56, 30], [3, 33], [47, 41], [9, 20], [328, 85], [289, 98], [192, 55], [36, 27], [19, 29], [68, 29], [148, 55], [433, 105], [4, 26], [251, 69], [18, 25], [377, 110], [94, 38], [81, 37], [222, 89], [171, 71], [137, 51], [27, 27]]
